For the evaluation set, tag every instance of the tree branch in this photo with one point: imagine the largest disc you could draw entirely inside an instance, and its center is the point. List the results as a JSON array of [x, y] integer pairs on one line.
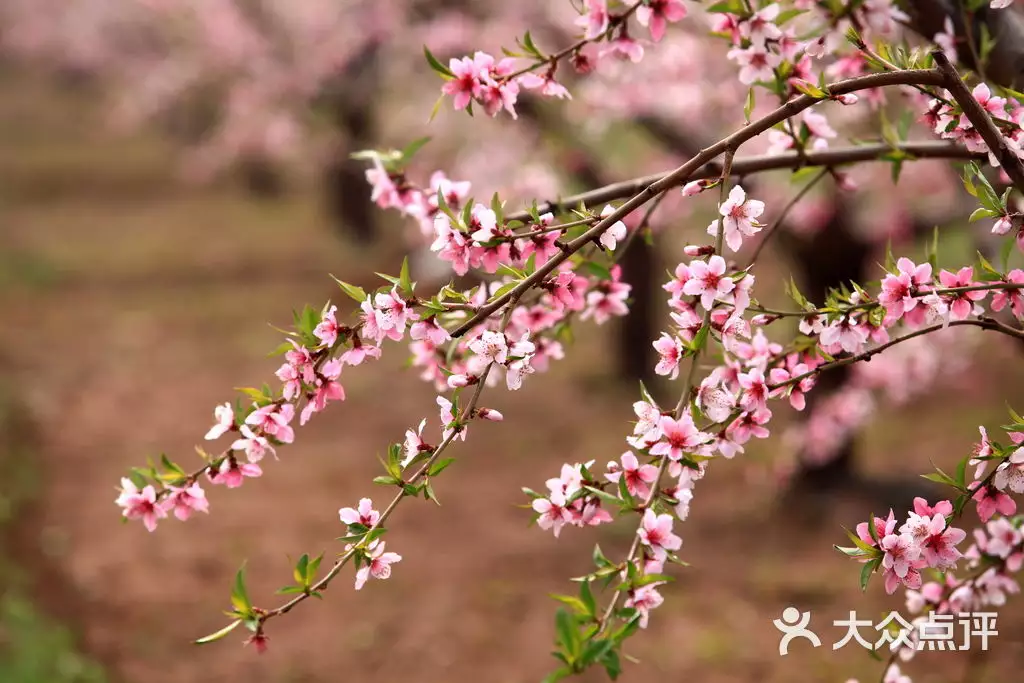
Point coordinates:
[[754, 164], [981, 121]]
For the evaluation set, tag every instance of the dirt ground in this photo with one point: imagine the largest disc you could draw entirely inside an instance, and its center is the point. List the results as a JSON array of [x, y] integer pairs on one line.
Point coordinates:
[[133, 305]]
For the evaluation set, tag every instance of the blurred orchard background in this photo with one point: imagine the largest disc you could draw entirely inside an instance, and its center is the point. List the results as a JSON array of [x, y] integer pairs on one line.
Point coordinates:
[[175, 175]]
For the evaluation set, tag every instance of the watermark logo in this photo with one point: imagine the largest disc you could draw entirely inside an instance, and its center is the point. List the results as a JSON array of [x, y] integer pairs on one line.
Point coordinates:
[[929, 632], [794, 625]]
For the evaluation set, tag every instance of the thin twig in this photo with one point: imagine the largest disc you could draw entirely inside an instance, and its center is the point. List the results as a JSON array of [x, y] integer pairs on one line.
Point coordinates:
[[762, 162], [782, 216]]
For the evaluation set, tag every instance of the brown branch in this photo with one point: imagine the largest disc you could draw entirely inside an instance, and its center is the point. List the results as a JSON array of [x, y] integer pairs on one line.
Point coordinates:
[[755, 164], [981, 121], [983, 323], [730, 143]]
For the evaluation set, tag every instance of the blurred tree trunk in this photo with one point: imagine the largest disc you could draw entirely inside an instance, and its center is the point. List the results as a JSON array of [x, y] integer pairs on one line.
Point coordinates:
[[827, 259], [347, 193], [634, 355]]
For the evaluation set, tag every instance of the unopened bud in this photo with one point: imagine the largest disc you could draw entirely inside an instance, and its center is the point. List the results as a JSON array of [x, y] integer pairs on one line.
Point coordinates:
[[848, 98], [693, 187], [763, 319], [457, 381], [489, 414], [692, 250], [1002, 226]]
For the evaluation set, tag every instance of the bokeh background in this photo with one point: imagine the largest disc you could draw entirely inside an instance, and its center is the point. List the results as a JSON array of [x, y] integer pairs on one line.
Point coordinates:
[[141, 269]]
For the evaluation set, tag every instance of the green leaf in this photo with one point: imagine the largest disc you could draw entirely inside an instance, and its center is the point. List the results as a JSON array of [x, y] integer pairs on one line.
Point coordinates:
[[439, 466], [567, 634], [866, 572], [981, 212], [604, 495], [587, 596], [239, 596], [300, 570], [436, 65], [596, 650], [404, 280], [219, 634], [416, 145], [599, 558], [288, 590], [748, 108], [386, 480], [575, 603]]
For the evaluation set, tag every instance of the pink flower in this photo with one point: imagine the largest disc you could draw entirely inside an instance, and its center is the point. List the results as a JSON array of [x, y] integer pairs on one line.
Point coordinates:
[[708, 281], [254, 445], [546, 84], [490, 346], [960, 305], [624, 47], [568, 290], [231, 472], [327, 389], [517, 372], [946, 39], [637, 477], [761, 27], [185, 500], [883, 528], [755, 390], [273, 419], [608, 298], [553, 513], [657, 13], [378, 564], [414, 443], [991, 500], [466, 84], [429, 329], [716, 403], [327, 330], [900, 557], [643, 600], [365, 514], [357, 354], [140, 504], [448, 419], [678, 437], [996, 106], [846, 333], [757, 63], [615, 232], [225, 417], [739, 218], [897, 289], [936, 542], [1010, 474], [656, 533], [671, 351], [1010, 296], [596, 19]]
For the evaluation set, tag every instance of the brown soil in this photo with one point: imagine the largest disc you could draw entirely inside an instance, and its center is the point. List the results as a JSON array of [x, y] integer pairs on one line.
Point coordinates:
[[125, 333]]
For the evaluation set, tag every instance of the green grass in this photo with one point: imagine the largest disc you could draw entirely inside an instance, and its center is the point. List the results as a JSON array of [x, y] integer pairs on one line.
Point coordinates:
[[33, 647]]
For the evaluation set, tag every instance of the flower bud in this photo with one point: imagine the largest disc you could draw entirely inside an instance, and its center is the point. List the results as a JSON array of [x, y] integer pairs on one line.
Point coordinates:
[[693, 187], [692, 250], [848, 98], [458, 381], [1002, 226], [489, 414]]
